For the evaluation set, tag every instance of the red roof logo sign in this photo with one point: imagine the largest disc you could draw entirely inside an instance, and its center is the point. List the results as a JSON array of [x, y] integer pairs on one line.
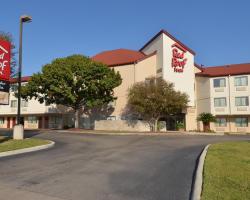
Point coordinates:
[[5, 60], [178, 58]]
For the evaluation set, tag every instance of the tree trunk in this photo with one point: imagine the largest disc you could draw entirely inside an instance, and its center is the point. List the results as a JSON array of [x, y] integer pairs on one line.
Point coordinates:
[[156, 125], [76, 118], [206, 127]]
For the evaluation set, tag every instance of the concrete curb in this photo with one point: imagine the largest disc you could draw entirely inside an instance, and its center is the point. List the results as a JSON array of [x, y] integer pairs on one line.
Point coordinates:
[[170, 133], [197, 186], [27, 150]]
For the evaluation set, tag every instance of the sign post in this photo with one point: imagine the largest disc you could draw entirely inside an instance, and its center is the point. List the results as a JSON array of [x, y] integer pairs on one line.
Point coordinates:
[[5, 56]]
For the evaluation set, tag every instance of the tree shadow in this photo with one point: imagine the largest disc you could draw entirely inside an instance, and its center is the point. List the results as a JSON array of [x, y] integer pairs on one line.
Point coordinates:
[[132, 119], [97, 113]]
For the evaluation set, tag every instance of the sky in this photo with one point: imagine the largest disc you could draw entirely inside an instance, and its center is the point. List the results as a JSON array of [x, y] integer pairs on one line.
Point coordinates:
[[217, 30]]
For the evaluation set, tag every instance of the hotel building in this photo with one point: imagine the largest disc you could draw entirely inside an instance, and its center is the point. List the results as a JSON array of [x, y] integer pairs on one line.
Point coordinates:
[[221, 90]]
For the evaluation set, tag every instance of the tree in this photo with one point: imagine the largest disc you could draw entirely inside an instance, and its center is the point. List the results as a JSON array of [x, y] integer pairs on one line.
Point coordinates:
[[153, 99], [206, 118], [8, 37], [75, 81]]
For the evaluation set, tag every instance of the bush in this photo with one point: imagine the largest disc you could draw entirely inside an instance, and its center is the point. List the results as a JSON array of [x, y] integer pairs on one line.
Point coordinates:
[[180, 125]]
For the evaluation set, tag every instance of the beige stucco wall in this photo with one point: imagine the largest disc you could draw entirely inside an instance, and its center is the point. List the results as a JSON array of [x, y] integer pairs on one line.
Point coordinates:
[[190, 118], [121, 125], [131, 74]]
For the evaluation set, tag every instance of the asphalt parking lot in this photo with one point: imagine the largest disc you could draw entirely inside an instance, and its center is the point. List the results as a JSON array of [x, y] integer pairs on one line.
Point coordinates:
[[99, 167]]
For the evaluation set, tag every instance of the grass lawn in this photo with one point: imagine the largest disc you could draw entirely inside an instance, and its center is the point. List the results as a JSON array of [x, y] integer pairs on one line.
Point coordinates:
[[9, 144], [227, 172]]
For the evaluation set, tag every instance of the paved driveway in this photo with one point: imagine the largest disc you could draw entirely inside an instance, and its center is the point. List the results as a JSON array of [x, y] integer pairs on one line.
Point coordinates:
[[98, 167]]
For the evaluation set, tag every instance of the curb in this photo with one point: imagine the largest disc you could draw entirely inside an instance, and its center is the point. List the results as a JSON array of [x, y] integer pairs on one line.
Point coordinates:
[[197, 186], [27, 150]]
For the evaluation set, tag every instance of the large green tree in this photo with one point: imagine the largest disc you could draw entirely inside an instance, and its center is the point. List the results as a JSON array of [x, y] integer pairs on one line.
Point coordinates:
[[75, 81], [8, 37], [153, 99]]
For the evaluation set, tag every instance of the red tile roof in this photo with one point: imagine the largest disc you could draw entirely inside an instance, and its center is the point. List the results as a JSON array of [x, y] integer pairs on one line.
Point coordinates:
[[24, 79], [119, 57], [234, 69], [172, 37]]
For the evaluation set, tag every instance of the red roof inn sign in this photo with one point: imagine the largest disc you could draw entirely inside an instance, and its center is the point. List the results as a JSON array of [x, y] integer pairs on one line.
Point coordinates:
[[5, 54], [178, 60]]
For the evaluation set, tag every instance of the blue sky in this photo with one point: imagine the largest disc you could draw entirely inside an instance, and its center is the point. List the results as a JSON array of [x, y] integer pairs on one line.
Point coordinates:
[[217, 30]]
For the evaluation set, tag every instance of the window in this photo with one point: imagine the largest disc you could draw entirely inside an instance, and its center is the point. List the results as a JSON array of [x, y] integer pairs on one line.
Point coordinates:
[[220, 82], [241, 101], [220, 102], [241, 122], [24, 103], [32, 119], [1, 120], [241, 81], [221, 122], [13, 103], [55, 120]]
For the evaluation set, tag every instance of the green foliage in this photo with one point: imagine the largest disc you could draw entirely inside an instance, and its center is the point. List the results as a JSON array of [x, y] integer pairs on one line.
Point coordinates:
[[10, 145], [206, 118], [180, 125], [155, 98], [74, 81], [8, 37]]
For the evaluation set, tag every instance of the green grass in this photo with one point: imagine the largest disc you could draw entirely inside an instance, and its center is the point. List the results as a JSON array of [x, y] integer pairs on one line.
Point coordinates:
[[9, 145], [227, 172]]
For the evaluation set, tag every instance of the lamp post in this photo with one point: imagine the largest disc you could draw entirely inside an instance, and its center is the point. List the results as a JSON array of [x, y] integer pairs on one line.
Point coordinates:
[[18, 129]]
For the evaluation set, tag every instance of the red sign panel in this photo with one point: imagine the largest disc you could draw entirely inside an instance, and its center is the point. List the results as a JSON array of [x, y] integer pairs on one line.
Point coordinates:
[[5, 54], [178, 60]]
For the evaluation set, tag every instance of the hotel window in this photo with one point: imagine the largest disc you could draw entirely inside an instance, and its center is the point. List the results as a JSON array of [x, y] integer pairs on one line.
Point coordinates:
[[13, 103], [55, 119], [220, 102], [241, 101], [32, 119], [241, 122], [221, 122], [24, 103], [241, 81], [1, 120], [219, 82]]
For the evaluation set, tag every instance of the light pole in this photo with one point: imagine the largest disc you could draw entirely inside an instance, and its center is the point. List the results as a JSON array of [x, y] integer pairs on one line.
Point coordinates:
[[18, 130]]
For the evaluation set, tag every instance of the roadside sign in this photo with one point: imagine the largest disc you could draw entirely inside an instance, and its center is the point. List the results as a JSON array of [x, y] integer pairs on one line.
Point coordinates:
[[5, 55]]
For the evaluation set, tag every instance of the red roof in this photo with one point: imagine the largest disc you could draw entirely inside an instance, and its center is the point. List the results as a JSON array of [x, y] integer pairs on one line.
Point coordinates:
[[24, 79], [172, 37], [119, 57], [234, 69]]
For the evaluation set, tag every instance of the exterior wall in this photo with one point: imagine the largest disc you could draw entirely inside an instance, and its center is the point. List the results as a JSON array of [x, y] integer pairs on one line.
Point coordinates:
[[184, 81], [131, 74], [156, 45], [203, 95], [121, 125], [238, 91], [190, 119]]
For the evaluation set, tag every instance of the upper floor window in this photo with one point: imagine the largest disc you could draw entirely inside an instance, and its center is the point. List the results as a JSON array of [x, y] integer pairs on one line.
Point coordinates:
[[24, 103], [221, 122], [13, 103], [241, 122], [220, 82], [241, 81], [241, 101], [220, 102]]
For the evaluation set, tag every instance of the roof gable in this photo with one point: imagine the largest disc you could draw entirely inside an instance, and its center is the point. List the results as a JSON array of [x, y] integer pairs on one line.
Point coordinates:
[[170, 36]]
